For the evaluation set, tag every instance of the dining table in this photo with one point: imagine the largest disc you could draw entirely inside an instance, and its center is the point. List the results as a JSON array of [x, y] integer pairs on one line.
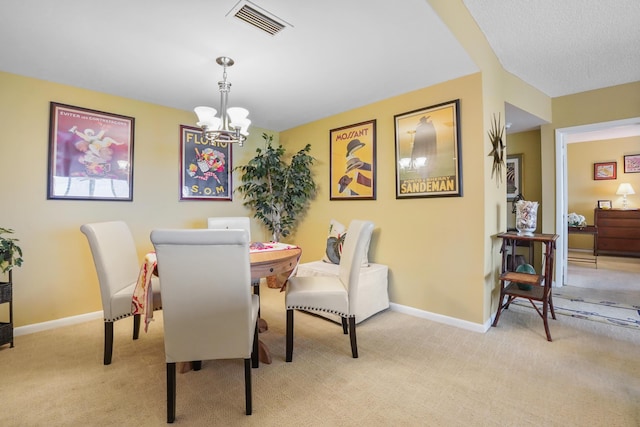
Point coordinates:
[[267, 259]]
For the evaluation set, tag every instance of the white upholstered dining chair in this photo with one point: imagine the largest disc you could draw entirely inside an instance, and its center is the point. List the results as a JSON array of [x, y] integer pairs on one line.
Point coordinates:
[[208, 309], [237, 223], [116, 261], [230, 223], [333, 294]]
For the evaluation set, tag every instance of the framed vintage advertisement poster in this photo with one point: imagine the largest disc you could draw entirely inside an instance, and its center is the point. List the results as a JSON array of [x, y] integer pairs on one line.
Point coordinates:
[[205, 167], [607, 170], [352, 169], [90, 154], [428, 158], [514, 176], [632, 163]]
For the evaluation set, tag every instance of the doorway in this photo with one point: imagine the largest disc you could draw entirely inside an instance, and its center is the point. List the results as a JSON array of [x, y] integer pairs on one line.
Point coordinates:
[[564, 136]]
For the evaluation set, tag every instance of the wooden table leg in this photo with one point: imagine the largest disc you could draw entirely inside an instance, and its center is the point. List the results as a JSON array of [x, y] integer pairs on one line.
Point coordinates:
[[263, 353]]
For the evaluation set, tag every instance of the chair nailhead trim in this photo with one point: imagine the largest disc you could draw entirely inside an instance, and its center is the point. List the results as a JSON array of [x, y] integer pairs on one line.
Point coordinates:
[[299, 307], [118, 318]]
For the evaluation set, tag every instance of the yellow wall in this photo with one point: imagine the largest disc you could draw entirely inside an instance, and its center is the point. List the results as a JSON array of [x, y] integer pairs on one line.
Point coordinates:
[[433, 246], [584, 192], [58, 278], [498, 87], [527, 144], [442, 252]]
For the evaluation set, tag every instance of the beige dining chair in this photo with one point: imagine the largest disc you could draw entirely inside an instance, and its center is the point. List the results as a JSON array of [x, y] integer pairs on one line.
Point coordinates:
[[238, 223], [230, 223], [117, 265], [208, 310], [332, 294]]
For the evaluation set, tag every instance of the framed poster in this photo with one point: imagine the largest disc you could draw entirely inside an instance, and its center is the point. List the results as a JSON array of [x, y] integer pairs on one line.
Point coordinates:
[[632, 163], [90, 154], [428, 157], [352, 169], [205, 167], [607, 170], [514, 176]]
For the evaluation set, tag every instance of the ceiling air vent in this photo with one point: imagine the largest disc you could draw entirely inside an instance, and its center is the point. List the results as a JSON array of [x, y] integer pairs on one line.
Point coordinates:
[[257, 17]]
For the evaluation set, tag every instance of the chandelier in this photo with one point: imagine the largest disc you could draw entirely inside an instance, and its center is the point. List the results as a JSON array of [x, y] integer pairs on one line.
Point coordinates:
[[232, 126]]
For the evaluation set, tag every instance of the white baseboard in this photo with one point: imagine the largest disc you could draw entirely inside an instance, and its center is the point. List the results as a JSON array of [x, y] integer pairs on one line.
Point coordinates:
[[52, 324], [451, 321]]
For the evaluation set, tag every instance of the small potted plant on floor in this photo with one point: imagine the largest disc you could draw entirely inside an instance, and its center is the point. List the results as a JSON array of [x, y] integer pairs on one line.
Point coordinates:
[[10, 252]]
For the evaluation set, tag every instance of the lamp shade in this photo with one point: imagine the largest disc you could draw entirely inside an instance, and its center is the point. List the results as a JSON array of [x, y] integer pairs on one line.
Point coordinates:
[[625, 189]]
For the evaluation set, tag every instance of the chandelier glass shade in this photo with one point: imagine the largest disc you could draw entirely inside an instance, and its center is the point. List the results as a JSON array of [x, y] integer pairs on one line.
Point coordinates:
[[233, 124]]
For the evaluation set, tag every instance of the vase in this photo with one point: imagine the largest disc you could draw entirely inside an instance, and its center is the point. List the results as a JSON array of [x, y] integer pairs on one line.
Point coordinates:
[[526, 217]]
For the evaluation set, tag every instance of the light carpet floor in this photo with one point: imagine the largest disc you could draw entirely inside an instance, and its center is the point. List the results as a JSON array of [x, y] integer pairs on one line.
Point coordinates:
[[411, 372], [608, 294]]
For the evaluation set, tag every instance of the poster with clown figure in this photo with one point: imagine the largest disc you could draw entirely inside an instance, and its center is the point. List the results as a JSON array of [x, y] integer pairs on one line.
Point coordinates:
[[205, 167], [90, 154]]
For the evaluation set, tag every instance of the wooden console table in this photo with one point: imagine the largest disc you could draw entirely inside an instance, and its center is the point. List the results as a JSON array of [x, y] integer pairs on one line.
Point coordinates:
[[587, 229]]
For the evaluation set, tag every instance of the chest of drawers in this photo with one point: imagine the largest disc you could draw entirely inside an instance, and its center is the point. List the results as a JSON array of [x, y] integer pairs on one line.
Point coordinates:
[[618, 231]]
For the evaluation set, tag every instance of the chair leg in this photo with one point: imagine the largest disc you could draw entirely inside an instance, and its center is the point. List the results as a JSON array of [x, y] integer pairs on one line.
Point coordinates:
[[344, 325], [255, 360], [171, 392], [352, 334], [108, 342], [247, 386], [136, 326], [256, 291], [289, 352]]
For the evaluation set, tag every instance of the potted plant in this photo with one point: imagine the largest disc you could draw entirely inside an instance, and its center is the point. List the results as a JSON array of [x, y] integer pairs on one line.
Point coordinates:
[[10, 252], [277, 191]]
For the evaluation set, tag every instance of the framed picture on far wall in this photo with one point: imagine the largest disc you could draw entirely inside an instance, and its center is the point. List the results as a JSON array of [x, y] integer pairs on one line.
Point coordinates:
[[428, 156], [606, 170], [604, 204], [205, 167], [632, 163], [352, 167], [90, 154], [514, 176]]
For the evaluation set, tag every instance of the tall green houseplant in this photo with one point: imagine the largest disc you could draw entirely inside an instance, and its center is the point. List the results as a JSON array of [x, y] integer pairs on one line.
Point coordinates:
[[278, 192]]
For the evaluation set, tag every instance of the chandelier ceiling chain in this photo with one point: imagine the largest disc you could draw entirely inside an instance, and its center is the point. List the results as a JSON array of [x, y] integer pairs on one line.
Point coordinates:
[[233, 124]]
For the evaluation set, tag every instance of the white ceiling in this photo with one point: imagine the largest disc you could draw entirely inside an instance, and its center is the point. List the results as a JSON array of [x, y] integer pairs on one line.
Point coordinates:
[[335, 55]]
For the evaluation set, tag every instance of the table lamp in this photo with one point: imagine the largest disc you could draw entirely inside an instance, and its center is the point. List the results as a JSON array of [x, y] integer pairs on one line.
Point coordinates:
[[624, 189]]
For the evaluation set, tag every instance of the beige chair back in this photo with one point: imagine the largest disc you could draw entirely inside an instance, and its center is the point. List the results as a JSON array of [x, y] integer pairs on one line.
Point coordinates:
[[357, 240], [116, 261], [208, 309], [230, 223]]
